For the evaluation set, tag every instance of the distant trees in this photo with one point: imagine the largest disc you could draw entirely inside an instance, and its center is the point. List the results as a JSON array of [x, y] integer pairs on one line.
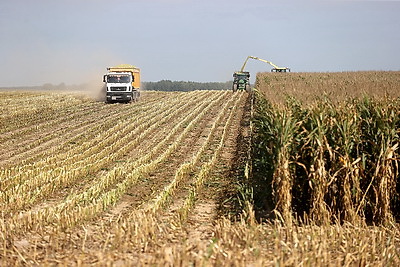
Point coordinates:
[[163, 85], [167, 85], [46, 86]]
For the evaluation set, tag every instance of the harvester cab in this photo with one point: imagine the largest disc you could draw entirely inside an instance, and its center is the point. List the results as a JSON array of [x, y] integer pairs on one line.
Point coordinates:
[[241, 81]]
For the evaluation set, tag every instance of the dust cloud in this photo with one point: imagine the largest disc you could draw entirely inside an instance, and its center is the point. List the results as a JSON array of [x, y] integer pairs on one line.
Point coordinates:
[[95, 89]]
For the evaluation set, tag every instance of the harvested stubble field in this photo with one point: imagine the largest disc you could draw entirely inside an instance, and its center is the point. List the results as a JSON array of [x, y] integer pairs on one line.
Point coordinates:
[[177, 179]]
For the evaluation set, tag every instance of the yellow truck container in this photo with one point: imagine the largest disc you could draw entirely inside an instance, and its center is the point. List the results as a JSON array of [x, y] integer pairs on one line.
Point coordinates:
[[122, 83]]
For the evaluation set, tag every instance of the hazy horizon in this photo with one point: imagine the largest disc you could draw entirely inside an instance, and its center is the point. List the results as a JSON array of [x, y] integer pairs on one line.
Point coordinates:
[[73, 42]]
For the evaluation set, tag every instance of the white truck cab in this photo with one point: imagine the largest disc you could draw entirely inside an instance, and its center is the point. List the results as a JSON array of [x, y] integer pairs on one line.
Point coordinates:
[[122, 83]]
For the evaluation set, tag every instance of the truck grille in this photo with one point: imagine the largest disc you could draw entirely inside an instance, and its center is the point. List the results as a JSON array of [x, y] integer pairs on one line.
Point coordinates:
[[118, 89]]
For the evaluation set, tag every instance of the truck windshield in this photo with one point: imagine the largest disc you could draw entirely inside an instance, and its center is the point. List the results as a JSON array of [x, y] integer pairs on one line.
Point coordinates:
[[118, 79]]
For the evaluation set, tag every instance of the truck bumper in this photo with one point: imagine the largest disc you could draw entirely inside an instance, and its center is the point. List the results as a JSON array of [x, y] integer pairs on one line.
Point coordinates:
[[119, 96]]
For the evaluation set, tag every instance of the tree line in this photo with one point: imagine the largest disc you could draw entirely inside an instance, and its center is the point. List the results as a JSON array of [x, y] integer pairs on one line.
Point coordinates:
[[167, 85], [163, 85]]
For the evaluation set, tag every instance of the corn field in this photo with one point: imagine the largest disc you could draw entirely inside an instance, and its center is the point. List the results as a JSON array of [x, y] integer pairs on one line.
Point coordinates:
[[208, 178], [332, 162], [329, 159]]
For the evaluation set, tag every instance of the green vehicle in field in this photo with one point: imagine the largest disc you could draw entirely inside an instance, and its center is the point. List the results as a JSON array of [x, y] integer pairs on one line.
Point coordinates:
[[241, 81]]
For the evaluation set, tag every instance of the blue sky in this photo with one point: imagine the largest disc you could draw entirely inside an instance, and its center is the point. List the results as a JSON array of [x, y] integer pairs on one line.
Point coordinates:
[[71, 41]]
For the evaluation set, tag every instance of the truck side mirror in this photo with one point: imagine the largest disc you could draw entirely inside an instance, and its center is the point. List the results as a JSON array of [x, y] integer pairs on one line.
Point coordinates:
[[104, 78]]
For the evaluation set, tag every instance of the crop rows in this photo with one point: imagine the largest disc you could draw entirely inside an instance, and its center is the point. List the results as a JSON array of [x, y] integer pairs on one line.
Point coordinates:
[[88, 173], [62, 170], [143, 228], [37, 138]]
